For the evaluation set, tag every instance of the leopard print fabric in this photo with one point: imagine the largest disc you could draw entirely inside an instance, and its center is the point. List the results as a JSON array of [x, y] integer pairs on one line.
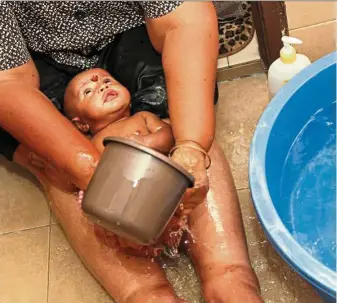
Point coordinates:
[[235, 31]]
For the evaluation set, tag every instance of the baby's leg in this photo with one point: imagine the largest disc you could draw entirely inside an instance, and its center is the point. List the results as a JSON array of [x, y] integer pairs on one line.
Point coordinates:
[[126, 278], [220, 251]]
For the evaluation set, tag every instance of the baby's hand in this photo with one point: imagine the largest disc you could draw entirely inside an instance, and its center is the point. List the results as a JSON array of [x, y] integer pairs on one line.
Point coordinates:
[[161, 141]]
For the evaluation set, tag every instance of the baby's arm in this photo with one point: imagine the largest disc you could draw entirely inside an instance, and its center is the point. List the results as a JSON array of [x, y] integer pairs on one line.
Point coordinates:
[[160, 135]]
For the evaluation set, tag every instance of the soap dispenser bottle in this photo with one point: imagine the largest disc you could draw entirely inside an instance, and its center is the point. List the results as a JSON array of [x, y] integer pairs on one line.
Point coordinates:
[[287, 66]]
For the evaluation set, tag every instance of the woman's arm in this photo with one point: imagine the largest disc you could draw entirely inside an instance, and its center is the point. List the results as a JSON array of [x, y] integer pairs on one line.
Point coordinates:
[[33, 120], [42, 170], [188, 40]]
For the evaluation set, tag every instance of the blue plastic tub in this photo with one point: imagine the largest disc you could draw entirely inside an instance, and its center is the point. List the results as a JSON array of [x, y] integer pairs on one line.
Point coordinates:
[[292, 174]]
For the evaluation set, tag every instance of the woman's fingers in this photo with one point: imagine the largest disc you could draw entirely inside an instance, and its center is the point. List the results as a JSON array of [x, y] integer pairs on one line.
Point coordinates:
[[194, 196], [80, 197]]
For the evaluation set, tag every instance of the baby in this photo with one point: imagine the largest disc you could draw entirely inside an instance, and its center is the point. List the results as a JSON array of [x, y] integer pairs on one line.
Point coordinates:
[[99, 107]]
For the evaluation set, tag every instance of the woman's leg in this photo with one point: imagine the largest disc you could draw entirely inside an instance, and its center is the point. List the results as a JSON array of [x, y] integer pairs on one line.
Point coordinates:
[[126, 278], [219, 250]]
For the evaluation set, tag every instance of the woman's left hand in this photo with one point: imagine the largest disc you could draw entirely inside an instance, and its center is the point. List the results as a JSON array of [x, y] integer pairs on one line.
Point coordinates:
[[195, 163]]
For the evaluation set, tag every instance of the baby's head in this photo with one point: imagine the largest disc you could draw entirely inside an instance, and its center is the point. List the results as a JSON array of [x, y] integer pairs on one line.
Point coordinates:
[[93, 99]]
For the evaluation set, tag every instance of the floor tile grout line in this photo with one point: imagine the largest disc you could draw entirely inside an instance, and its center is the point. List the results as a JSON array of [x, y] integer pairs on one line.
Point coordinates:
[[48, 267], [24, 229], [48, 258]]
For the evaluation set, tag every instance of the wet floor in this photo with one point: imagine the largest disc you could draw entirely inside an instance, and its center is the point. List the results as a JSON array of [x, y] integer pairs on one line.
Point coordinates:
[[38, 265]]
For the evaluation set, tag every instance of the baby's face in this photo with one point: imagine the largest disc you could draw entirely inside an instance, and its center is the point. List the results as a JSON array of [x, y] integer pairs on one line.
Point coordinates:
[[99, 97]]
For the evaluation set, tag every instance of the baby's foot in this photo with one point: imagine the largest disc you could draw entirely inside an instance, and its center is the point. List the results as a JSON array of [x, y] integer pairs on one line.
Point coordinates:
[[231, 285], [80, 197]]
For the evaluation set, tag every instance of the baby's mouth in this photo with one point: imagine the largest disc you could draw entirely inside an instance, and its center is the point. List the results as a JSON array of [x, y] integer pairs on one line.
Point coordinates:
[[110, 95]]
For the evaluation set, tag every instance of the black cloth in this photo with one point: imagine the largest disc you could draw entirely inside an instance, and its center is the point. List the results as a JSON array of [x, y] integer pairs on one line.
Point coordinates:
[[130, 59]]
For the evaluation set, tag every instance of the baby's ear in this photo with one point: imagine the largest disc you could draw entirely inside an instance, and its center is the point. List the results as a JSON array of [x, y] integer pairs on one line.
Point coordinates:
[[82, 127]]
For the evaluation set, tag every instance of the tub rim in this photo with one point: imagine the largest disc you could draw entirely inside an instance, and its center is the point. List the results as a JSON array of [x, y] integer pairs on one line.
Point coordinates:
[[312, 270]]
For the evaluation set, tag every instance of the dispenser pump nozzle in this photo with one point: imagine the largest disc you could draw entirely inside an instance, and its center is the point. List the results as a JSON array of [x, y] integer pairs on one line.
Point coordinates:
[[288, 52], [287, 41]]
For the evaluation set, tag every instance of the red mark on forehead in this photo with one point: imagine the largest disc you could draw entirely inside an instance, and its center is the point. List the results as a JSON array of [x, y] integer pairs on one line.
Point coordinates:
[[94, 78]]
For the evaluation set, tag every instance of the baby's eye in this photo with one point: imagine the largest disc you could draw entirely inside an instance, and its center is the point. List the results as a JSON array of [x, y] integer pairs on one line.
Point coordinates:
[[87, 91], [106, 81]]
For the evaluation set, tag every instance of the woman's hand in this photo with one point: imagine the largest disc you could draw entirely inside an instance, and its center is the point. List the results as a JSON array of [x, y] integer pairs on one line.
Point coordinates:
[[170, 238], [195, 163], [112, 240]]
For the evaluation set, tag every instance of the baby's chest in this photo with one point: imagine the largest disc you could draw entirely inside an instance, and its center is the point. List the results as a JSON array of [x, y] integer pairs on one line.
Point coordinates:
[[133, 126]]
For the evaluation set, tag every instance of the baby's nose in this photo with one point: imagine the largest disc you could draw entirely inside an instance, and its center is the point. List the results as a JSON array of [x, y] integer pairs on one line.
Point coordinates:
[[104, 87]]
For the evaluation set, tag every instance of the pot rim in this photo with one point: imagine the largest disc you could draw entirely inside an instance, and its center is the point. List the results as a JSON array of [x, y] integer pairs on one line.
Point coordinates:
[[153, 153]]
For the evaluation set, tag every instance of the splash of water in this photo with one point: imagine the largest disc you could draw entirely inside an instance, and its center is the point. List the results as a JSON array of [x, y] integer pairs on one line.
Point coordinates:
[[172, 251]]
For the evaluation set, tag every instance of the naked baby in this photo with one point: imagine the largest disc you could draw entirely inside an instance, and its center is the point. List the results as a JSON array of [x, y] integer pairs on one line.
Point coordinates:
[[99, 107]]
